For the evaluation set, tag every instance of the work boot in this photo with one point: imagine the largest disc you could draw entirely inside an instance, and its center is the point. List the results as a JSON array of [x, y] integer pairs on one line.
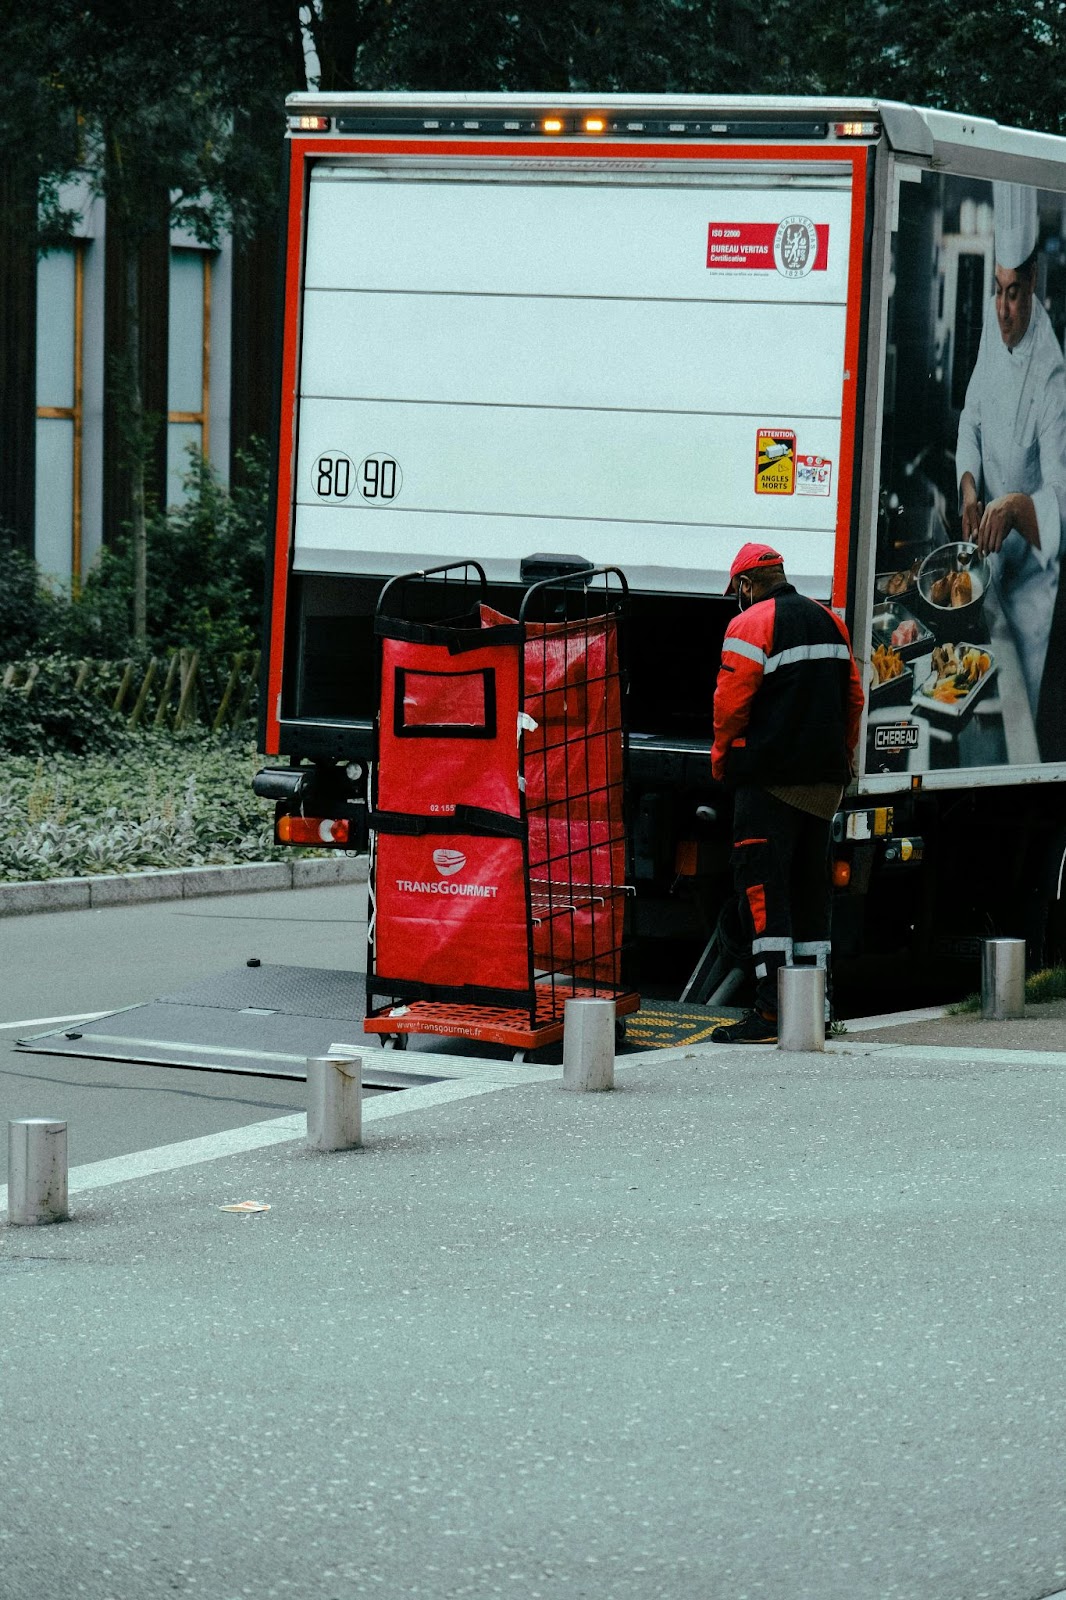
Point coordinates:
[[754, 1028]]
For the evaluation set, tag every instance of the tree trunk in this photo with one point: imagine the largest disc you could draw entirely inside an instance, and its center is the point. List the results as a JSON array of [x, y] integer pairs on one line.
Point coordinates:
[[138, 443]]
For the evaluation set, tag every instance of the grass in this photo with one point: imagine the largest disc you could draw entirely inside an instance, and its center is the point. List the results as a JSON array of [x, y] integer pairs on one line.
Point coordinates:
[[1040, 989], [169, 800]]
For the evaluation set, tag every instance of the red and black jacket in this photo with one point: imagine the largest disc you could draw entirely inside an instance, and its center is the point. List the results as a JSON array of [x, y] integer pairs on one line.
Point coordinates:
[[789, 697]]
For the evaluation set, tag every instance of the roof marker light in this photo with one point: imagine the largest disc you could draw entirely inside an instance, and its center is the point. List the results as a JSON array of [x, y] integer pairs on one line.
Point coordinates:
[[857, 130], [309, 124]]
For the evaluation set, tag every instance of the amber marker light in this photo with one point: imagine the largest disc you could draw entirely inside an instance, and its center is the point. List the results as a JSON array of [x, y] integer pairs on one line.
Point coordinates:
[[552, 125], [595, 125]]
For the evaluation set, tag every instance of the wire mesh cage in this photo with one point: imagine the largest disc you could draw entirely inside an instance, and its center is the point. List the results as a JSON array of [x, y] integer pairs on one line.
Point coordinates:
[[499, 858]]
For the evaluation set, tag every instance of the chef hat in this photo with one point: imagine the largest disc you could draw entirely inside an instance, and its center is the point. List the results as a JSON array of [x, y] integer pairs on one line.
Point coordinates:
[[1016, 223]]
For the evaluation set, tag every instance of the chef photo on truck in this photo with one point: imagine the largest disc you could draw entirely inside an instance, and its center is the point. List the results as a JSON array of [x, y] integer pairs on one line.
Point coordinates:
[[968, 647]]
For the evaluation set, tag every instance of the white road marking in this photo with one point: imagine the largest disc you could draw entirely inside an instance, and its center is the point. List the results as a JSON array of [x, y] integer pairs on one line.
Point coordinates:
[[894, 1019], [956, 1054], [485, 1077], [52, 1022], [125, 1039], [491, 1077]]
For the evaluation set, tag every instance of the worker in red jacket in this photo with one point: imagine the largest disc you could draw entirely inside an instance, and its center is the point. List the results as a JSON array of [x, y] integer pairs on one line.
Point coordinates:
[[787, 709]]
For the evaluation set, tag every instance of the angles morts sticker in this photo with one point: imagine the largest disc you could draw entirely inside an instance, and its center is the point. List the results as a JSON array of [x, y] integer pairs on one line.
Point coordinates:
[[775, 461]]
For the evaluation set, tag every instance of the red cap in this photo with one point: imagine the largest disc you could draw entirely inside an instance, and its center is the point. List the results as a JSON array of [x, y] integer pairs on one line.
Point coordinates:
[[748, 558]]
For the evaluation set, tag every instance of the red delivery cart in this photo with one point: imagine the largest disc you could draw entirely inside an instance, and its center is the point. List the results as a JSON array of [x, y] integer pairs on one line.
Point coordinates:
[[498, 879]]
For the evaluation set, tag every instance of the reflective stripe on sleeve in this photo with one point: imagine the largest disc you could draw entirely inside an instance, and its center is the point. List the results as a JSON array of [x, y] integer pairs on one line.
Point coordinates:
[[806, 652], [741, 647]]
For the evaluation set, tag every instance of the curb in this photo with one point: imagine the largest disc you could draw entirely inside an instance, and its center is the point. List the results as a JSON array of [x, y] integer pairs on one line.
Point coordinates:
[[177, 883]]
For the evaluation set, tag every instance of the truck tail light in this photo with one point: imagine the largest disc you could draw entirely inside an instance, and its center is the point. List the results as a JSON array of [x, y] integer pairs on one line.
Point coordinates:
[[841, 874], [312, 830]]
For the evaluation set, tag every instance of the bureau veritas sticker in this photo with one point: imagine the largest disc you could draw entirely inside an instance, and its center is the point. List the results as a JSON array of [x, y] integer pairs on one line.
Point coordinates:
[[795, 247], [792, 247]]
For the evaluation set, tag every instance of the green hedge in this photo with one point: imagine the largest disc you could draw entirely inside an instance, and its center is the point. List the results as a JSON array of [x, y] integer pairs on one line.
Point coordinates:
[[205, 578], [162, 800]]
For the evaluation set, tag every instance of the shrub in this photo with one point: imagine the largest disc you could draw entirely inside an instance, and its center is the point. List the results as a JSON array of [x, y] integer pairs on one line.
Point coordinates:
[[205, 578], [58, 717], [166, 800], [22, 600]]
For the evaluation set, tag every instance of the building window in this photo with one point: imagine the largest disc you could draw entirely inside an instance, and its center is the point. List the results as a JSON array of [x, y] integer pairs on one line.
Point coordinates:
[[189, 364], [60, 320]]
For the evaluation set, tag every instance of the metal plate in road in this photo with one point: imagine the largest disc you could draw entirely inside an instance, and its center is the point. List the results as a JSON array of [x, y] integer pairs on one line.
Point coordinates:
[[264, 1021], [267, 1020]]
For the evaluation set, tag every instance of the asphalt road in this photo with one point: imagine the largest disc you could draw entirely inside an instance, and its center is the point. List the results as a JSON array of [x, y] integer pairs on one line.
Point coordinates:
[[64, 964], [751, 1327]]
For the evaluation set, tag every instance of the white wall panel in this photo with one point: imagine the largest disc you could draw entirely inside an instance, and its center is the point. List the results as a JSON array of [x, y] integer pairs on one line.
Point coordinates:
[[651, 354], [667, 557], [553, 366], [383, 231], [641, 467], [185, 328], [55, 328], [54, 501]]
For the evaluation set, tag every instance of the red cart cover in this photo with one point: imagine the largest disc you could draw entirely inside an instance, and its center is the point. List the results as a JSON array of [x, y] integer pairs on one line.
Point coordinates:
[[573, 766], [465, 897], [448, 733], [450, 912]]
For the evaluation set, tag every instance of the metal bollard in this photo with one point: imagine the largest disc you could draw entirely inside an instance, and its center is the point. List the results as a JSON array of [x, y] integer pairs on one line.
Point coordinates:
[[588, 1044], [334, 1102], [1002, 979], [36, 1171], [801, 1008]]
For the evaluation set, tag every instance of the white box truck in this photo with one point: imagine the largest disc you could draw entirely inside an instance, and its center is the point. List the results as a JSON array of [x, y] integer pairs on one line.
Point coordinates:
[[641, 331]]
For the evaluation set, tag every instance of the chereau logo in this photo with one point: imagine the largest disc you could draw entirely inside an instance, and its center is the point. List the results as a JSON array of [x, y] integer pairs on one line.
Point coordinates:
[[448, 861]]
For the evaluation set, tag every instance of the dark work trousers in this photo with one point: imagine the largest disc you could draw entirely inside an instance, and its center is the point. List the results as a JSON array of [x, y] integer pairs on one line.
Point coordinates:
[[781, 873]]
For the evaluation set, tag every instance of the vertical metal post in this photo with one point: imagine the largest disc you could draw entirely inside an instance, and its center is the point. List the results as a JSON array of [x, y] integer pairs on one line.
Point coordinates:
[[801, 1008], [1002, 979], [36, 1171], [334, 1103], [588, 1044]]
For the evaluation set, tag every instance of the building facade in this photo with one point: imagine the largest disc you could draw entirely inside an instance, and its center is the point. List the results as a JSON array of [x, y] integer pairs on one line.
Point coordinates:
[[205, 356]]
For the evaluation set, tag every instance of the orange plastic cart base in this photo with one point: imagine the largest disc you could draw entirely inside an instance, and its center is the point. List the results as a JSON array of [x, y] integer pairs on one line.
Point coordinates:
[[493, 1024]]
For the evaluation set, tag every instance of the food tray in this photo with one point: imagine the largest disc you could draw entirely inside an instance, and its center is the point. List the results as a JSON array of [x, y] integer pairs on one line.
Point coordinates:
[[894, 692], [887, 618], [954, 716], [882, 579]]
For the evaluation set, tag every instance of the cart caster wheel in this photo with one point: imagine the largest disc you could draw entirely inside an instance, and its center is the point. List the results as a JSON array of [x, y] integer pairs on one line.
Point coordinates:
[[393, 1041], [620, 1031], [519, 1055]]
